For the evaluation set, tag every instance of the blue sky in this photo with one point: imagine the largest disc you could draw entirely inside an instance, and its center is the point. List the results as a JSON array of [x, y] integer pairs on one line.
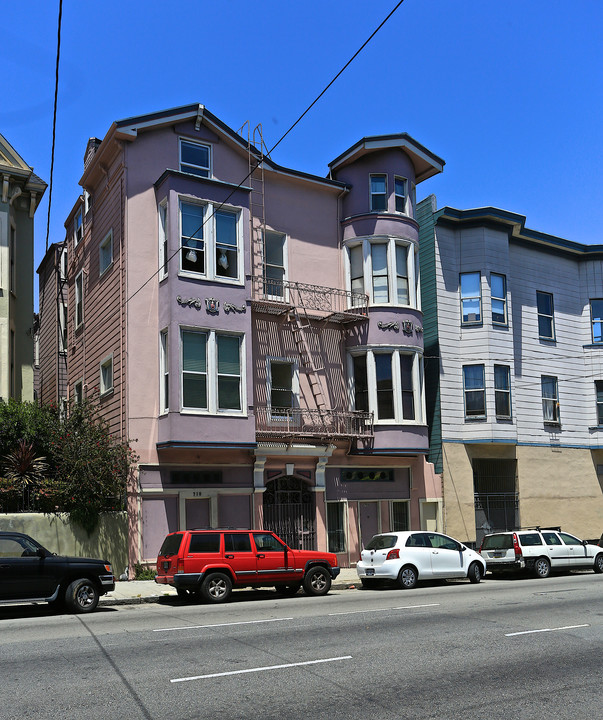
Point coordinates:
[[508, 93]]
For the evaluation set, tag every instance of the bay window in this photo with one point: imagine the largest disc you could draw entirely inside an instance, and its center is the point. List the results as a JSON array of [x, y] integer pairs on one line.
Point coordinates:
[[212, 371], [400, 194], [378, 193], [471, 298], [387, 383], [596, 319], [210, 244], [502, 391], [385, 269], [475, 391]]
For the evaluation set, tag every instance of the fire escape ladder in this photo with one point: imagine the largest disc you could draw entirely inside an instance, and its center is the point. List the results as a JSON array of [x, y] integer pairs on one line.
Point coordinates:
[[302, 332], [257, 209]]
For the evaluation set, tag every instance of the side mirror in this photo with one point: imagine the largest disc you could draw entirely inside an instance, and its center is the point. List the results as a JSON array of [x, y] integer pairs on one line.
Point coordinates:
[[463, 548]]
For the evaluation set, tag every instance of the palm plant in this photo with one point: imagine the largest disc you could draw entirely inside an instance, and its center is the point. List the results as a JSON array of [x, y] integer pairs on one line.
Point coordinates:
[[23, 467]]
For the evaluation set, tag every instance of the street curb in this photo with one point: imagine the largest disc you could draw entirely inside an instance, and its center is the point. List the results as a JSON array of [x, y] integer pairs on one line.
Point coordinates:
[[140, 600]]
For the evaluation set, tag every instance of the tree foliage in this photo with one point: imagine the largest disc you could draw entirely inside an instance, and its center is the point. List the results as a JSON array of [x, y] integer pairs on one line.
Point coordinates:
[[59, 462]]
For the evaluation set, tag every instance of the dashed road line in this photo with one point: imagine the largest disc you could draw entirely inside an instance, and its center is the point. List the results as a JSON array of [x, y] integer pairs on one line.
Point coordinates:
[[217, 625], [531, 632]]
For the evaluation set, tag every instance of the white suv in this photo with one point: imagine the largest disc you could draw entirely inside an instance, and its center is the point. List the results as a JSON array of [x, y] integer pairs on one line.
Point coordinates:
[[539, 550]]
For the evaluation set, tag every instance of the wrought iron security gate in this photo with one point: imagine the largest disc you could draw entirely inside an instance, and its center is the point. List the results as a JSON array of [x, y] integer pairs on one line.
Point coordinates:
[[495, 496], [290, 512]]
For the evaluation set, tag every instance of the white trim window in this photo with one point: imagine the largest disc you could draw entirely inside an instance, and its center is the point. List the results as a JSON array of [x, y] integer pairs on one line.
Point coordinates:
[[385, 269], [546, 315], [212, 377], [550, 399], [275, 267], [471, 298], [78, 391], [498, 297], [164, 373], [599, 396], [210, 242], [195, 158], [62, 329], [400, 194], [78, 228], [378, 193], [106, 375], [502, 391], [12, 259], [389, 383], [596, 320], [474, 391], [63, 263], [283, 384], [105, 253], [79, 300], [162, 222]]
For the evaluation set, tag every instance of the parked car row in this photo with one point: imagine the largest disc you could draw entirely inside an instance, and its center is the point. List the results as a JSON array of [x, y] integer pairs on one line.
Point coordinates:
[[208, 564]]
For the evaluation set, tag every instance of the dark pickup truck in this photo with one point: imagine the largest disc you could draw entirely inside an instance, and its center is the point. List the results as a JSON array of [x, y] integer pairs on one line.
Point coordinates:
[[31, 573]]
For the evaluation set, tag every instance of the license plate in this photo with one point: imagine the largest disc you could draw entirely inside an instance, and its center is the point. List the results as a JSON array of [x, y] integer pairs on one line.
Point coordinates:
[[497, 555], [370, 571], [166, 565]]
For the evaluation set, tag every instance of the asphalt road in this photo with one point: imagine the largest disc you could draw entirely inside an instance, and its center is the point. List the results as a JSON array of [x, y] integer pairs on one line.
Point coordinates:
[[508, 649]]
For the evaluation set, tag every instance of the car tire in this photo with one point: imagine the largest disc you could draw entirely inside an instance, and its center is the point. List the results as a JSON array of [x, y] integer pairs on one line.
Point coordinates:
[[82, 596], [288, 589], [598, 566], [475, 572], [369, 583], [216, 587], [317, 581], [407, 577], [542, 567]]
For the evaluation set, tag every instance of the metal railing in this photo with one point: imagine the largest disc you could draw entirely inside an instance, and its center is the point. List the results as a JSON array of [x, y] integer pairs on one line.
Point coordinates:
[[278, 295], [300, 422]]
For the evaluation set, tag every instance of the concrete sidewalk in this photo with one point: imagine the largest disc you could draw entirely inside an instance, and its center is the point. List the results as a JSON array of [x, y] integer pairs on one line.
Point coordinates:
[[132, 592]]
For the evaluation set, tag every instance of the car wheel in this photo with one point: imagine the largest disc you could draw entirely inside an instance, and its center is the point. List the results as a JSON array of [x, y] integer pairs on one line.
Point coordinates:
[[81, 596], [407, 577], [369, 583], [475, 573], [598, 567], [542, 567], [317, 581], [288, 589], [216, 587]]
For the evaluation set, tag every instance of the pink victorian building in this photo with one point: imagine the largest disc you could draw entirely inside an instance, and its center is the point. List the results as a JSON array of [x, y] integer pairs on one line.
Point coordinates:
[[256, 331]]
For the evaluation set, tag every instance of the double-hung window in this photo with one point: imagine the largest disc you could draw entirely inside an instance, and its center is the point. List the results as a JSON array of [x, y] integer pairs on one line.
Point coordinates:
[[62, 327], [502, 391], [105, 253], [471, 298], [498, 295], [164, 372], [163, 239], [400, 194], [106, 375], [78, 228], [546, 317], [209, 243], [474, 389], [378, 193], [283, 386], [384, 269], [274, 264], [596, 320], [387, 383], [212, 371], [599, 393], [550, 399], [79, 299], [195, 158]]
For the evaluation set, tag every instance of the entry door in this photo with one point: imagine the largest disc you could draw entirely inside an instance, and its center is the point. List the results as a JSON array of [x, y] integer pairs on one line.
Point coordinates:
[[368, 513]]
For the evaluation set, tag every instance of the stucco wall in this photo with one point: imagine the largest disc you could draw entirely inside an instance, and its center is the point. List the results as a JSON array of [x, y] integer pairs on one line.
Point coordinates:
[[57, 534]]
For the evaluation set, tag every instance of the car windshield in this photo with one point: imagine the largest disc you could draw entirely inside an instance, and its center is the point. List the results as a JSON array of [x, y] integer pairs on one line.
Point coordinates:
[[497, 542], [382, 542], [171, 545]]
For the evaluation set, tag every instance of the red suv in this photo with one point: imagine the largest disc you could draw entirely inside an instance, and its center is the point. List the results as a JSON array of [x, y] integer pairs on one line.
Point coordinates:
[[209, 563]]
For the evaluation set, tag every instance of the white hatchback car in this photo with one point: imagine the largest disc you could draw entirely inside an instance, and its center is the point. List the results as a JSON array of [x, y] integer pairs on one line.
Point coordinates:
[[410, 556]]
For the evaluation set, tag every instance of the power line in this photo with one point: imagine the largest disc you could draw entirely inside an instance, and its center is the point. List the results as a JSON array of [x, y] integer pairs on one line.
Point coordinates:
[[305, 112]]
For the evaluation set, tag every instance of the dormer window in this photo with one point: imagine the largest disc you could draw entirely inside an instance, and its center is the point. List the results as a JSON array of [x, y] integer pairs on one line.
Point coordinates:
[[400, 194], [195, 158], [378, 193]]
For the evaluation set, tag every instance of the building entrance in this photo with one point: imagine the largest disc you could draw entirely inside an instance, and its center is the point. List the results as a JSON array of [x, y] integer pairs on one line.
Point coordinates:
[[290, 512]]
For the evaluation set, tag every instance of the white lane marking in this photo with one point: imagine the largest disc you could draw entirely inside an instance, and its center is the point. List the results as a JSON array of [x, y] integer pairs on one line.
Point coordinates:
[[405, 607], [261, 669], [530, 632], [245, 622]]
